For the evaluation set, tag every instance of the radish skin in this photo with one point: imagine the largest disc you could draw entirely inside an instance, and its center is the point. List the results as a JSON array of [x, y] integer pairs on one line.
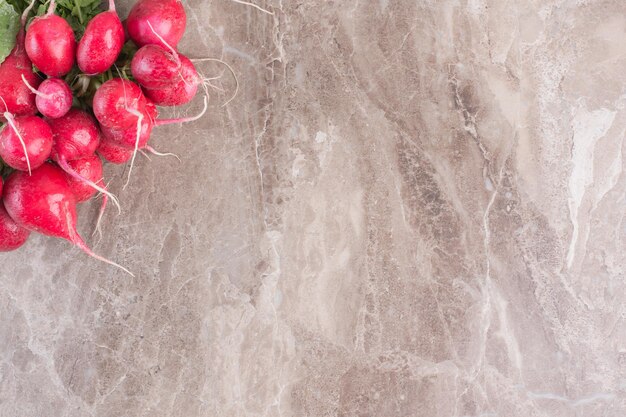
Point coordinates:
[[155, 67], [102, 42], [114, 153], [43, 202], [12, 235], [76, 135], [18, 98], [116, 101], [54, 97], [167, 17], [181, 92], [90, 168], [50, 44], [25, 142]]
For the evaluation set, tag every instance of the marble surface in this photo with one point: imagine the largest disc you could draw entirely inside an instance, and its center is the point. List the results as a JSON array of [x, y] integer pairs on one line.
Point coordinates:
[[412, 208]]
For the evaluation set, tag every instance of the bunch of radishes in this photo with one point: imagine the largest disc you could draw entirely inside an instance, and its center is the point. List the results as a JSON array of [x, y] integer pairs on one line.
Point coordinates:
[[55, 132]]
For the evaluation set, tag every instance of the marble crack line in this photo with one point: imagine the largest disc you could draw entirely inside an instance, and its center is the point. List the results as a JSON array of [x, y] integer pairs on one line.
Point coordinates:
[[487, 289], [112, 390], [257, 145], [468, 118]]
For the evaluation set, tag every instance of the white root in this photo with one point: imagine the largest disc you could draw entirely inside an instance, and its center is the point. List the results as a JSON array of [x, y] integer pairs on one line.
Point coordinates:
[[172, 50], [230, 69], [11, 123], [103, 207], [78, 241], [67, 168], [253, 5], [185, 119], [132, 162], [144, 153], [157, 153], [35, 91]]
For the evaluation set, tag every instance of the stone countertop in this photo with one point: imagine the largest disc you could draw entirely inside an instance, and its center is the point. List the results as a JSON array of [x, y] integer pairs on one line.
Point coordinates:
[[411, 209]]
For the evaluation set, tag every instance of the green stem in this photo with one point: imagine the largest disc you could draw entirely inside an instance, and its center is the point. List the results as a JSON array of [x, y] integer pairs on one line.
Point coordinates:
[[80, 15]]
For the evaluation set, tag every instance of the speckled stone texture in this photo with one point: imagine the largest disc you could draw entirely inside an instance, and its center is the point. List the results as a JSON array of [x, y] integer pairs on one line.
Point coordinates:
[[412, 208]]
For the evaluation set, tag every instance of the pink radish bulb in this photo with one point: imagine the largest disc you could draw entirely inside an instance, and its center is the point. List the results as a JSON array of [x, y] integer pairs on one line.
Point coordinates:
[[182, 92], [155, 67], [167, 17], [12, 235], [90, 168], [18, 98], [25, 142], [76, 136], [114, 153], [54, 97], [117, 103], [43, 202], [1, 185], [50, 44], [102, 42], [128, 137]]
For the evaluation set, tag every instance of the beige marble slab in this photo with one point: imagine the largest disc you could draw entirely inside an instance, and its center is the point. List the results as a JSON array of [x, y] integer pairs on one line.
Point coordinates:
[[412, 208]]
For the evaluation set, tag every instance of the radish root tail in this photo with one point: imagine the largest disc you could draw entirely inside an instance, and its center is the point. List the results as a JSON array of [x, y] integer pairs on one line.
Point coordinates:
[[157, 153], [103, 207], [184, 119], [230, 69], [111, 5], [35, 91], [144, 153], [132, 162], [246, 3], [67, 168], [11, 123], [172, 50], [80, 243]]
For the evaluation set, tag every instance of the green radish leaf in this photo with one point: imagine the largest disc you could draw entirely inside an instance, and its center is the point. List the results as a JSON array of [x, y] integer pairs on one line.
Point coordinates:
[[9, 26]]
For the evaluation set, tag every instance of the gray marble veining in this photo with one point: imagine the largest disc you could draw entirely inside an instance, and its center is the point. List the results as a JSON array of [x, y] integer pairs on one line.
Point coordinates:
[[411, 209]]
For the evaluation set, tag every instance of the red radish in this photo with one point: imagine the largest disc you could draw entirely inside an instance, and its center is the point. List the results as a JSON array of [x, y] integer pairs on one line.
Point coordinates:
[[50, 43], [25, 142], [182, 92], [167, 17], [1, 185], [89, 167], [117, 102], [19, 100], [127, 138], [114, 153], [155, 67], [12, 236], [43, 202], [102, 42], [76, 136], [54, 97]]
